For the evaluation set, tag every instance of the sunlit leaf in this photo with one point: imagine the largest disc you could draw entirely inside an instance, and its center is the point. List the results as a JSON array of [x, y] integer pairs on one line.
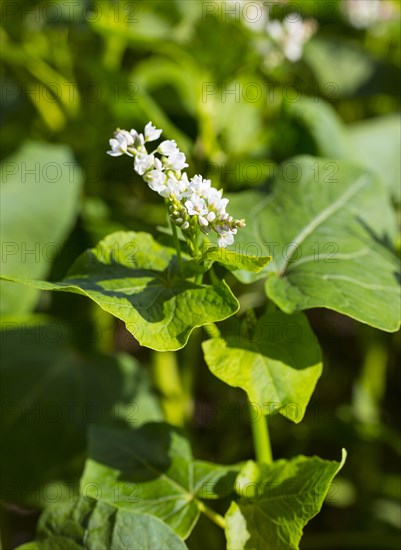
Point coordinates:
[[272, 512], [137, 280], [277, 362], [327, 225]]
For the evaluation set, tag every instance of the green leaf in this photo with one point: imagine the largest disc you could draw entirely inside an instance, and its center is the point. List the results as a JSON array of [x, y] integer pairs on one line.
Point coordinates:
[[234, 104], [323, 124], [324, 225], [230, 259], [376, 144], [277, 362], [341, 68], [373, 143], [137, 280], [151, 470], [50, 392], [39, 201], [140, 532], [66, 520], [153, 26], [286, 496], [157, 72], [86, 523]]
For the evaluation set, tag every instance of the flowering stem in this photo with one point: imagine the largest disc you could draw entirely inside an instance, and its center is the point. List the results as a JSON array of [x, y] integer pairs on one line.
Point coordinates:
[[260, 432], [176, 243], [193, 204], [196, 242]]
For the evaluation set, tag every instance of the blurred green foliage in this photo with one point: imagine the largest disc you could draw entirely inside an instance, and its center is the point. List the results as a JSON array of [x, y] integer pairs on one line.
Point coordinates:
[[71, 72]]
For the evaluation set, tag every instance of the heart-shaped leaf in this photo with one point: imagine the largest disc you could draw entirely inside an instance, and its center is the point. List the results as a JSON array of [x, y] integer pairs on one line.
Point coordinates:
[[277, 362], [230, 259], [137, 280], [275, 507], [94, 525], [151, 470], [324, 225]]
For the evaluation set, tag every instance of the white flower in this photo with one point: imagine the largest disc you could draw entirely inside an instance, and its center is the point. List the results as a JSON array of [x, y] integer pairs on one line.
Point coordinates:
[[143, 163], [176, 161], [298, 33], [175, 187], [122, 139], [124, 135], [151, 132], [291, 34], [216, 202], [117, 148], [134, 134], [168, 147], [226, 239], [200, 186], [184, 179], [140, 141], [275, 29], [156, 180], [196, 206], [364, 13]]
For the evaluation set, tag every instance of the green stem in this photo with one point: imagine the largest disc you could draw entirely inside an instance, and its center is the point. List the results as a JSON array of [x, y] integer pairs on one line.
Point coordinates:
[[189, 360], [105, 324], [213, 277], [212, 330], [167, 380], [261, 439], [176, 243], [211, 514], [369, 389], [196, 243], [190, 356]]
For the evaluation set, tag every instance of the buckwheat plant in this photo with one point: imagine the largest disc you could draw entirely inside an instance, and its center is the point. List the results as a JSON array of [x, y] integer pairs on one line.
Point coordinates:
[[277, 40], [193, 204], [140, 482]]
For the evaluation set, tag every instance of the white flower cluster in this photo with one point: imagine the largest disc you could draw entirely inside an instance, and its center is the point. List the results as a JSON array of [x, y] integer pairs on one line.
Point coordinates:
[[365, 13], [291, 34], [286, 38], [192, 202]]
